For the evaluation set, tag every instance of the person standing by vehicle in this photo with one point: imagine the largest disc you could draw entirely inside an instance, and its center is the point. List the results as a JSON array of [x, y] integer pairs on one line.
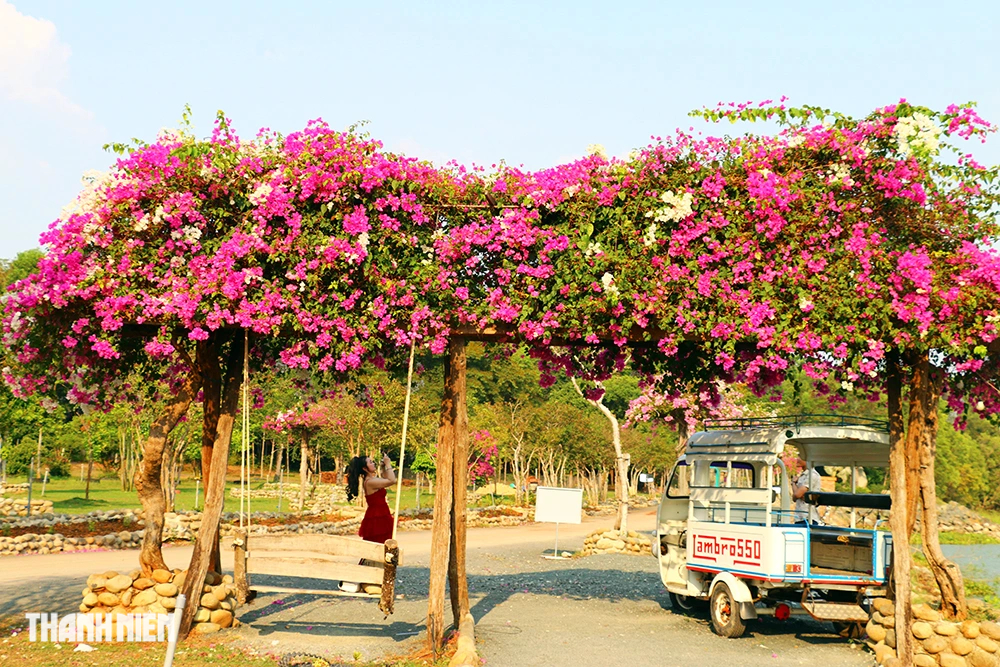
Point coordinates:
[[376, 526], [808, 480]]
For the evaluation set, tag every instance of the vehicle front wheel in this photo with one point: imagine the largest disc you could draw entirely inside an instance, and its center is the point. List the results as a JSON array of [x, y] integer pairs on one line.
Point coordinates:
[[685, 604], [725, 613]]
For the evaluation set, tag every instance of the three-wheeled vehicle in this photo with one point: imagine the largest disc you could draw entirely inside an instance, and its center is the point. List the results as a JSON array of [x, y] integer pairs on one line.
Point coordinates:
[[728, 533]]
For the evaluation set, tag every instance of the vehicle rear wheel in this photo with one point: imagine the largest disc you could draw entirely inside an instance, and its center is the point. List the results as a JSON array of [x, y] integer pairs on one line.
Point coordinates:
[[685, 604], [725, 613]]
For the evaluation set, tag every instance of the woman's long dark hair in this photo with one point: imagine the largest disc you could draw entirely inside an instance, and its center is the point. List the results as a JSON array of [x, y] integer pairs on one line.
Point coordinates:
[[355, 471]]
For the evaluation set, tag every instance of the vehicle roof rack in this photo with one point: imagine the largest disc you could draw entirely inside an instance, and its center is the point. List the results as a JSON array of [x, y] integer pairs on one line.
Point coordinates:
[[793, 421]]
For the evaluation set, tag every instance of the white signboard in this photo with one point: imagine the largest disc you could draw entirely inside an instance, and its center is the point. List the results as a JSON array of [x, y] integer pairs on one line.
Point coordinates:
[[555, 505]]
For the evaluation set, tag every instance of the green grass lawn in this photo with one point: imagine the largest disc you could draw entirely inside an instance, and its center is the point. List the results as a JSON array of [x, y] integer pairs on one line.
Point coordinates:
[[68, 495]]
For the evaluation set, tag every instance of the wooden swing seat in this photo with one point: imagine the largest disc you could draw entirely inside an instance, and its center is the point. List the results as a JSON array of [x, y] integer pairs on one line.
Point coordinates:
[[332, 558]]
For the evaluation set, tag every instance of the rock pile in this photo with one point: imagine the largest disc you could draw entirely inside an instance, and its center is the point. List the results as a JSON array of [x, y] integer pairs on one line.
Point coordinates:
[[114, 593], [617, 542], [126, 516], [936, 641], [33, 543], [321, 498], [19, 507], [953, 517]]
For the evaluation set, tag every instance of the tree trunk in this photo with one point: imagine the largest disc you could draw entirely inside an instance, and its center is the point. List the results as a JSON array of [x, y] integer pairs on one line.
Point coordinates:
[[897, 517], [457, 578], [441, 526], [207, 358], [915, 435], [682, 430], [947, 574], [621, 462], [148, 476], [206, 544]]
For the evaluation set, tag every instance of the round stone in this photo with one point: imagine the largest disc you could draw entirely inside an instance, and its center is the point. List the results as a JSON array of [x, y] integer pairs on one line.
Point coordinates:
[[935, 644], [168, 603], [143, 598], [988, 628], [166, 590], [924, 660], [961, 646], [108, 599], [127, 596], [883, 653], [922, 630], [952, 660], [970, 629], [986, 644], [162, 576], [884, 606], [97, 582], [222, 618], [980, 658], [90, 599], [206, 628], [946, 629], [142, 583], [209, 601], [926, 613], [876, 632], [202, 616], [119, 583]]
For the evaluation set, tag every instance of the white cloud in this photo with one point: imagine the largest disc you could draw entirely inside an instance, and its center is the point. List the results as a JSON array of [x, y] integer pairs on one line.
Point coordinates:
[[33, 63]]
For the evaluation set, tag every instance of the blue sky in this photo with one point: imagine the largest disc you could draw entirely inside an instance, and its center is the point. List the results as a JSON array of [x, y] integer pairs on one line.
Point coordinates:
[[530, 82]]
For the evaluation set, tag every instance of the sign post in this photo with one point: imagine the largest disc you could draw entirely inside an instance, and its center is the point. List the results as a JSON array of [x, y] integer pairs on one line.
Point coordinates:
[[556, 505]]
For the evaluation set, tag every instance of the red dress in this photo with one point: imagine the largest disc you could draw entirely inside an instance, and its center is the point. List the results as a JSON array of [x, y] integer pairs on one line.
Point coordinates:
[[377, 524]]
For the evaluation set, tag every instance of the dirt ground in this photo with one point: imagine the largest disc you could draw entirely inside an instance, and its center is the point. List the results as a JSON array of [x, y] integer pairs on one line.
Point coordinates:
[[598, 610]]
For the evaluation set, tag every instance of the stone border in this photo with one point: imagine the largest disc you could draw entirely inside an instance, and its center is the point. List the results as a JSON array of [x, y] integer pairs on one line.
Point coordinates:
[[936, 641], [617, 542]]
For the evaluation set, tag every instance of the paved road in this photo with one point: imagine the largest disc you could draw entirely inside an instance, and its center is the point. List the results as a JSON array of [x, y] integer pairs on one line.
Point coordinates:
[[600, 610]]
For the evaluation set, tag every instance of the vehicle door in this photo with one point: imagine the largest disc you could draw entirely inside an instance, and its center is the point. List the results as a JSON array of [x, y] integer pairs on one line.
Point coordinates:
[[672, 518]]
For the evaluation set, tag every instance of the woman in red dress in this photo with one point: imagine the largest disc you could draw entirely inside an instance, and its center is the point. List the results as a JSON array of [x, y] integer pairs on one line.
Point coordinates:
[[376, 526]]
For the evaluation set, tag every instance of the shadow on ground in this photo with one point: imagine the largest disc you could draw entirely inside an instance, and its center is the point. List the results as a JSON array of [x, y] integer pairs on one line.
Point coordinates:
[[626, 579]]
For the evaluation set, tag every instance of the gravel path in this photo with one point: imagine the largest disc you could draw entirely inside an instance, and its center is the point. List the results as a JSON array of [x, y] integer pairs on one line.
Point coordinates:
[[599, 610]]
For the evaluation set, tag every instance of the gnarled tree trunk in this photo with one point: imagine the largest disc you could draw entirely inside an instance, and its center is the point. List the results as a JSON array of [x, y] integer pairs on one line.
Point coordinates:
[[206, 546], [148, 475], [211, 375], [924, 395]]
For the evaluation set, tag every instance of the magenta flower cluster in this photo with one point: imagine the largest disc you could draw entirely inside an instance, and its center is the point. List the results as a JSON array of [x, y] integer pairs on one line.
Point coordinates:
[[699, 258]]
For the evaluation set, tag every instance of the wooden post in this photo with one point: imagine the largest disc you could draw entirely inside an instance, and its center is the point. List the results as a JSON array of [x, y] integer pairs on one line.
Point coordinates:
[[897, 517], [389, 562], [240, 577], [206, 546], [441, 526], [457, 578]]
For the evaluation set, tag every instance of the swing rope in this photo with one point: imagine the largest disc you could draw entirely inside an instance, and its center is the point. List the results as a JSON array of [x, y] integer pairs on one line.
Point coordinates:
[[402, 446], [245, 454]]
